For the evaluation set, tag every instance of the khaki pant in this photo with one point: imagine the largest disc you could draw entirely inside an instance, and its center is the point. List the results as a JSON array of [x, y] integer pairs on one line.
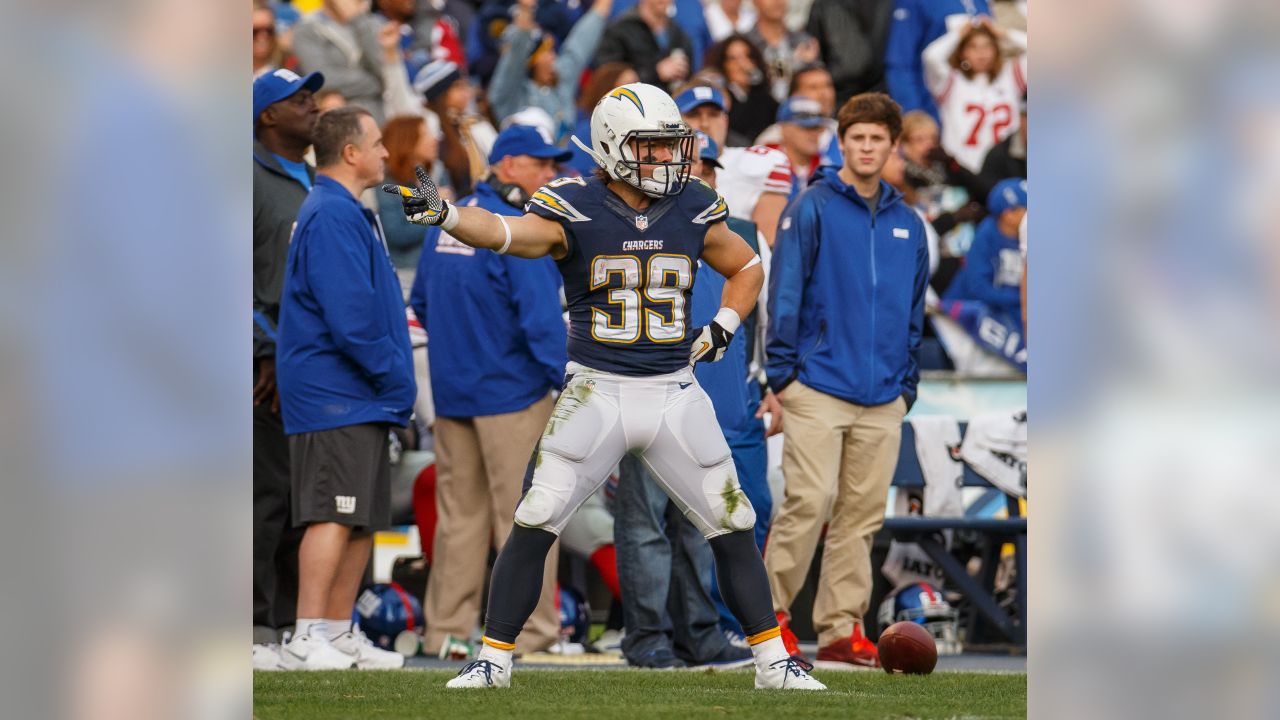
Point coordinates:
[[480, 468], [841, 453]]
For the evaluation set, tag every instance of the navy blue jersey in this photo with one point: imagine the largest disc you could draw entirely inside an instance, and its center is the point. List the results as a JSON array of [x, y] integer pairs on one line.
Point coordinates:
[[628, 274]]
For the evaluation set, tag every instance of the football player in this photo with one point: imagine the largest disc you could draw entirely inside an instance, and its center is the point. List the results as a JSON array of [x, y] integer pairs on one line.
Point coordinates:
[[627, 242]]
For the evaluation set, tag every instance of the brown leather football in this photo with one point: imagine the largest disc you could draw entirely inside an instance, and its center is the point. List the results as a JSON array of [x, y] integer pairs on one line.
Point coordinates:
[[906, 647]]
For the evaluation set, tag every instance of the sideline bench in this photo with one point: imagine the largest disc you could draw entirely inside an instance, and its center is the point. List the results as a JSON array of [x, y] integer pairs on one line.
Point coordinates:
[[922, 531]]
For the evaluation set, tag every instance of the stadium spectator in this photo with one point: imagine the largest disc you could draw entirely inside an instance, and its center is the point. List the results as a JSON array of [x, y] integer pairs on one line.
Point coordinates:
[[267, 55], [346, 376], [801, 125], [783, 50], [284, 117], [327, 100], [756, 181], [853, 36], [741, 65], [916, 23], [533, 72], [987, 291], [410, 142], [727, 17], [846, 305], [931, 174], [491, 406], [976, 87], [690, 15], [1008, 159], [813, 81], [468, 137], [645, 38], [344, 45], [603, 79], [414, 31]]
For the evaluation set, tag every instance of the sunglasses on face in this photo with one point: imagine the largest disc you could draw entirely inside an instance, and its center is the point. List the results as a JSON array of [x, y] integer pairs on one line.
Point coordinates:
[[268, 30]]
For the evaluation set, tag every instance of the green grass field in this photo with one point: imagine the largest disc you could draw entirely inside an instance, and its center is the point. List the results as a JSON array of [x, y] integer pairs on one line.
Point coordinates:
[[598, 694]]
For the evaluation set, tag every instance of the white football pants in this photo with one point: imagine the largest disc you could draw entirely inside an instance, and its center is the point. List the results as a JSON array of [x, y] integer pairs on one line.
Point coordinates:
[[666, 419]]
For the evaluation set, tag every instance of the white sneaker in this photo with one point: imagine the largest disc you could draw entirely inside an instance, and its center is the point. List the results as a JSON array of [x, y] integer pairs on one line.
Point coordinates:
[[482, 674], [788, 673], [304, 652], [611, 641], [368, 656], [266, 656]]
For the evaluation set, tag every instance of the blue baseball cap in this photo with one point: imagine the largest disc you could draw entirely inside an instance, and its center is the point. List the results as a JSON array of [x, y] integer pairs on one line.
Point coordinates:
[[1006, 195], [802, 111], [699, 95], [526, 140], [708, 151], [277, 85]]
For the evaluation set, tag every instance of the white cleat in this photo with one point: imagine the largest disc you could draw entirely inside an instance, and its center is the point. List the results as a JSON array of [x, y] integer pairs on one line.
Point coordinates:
[[482, 674], [266, 656], [788, 673], [304, 652], [368, 656]]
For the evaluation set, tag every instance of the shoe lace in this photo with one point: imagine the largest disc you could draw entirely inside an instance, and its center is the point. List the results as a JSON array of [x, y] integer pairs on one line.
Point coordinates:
[[794, 664], [484, 666]]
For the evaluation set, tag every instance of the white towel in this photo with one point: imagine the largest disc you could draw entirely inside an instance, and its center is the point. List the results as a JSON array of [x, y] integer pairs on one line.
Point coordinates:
[[936, 435], [995, 446]]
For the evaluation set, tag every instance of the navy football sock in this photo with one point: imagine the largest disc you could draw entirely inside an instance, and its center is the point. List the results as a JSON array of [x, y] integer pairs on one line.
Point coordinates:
[[744, 585], [517, 582]]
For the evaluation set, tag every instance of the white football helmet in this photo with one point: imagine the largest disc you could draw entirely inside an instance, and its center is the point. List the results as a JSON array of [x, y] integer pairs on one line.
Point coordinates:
[[644, 113]]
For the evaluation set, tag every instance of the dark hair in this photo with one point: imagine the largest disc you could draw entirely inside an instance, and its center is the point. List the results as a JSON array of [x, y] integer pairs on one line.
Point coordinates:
[[334, 131], [400, 135], [603, 79], [807, 68], [956, 58], [714, 57], [871, 107]]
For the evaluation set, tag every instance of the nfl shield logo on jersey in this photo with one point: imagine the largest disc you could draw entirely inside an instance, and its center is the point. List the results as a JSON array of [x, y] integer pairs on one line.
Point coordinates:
[[642, 222]]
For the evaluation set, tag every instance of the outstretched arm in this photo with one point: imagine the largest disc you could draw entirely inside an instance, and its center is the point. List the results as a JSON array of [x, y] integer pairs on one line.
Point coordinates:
[[527, 236]]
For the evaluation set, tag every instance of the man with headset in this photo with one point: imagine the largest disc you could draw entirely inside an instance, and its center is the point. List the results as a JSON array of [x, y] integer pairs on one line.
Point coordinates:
[[491, 405]]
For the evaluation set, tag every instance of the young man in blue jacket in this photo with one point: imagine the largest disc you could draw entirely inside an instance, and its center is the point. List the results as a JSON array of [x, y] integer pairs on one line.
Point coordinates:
[[496, 349], [846, 302], [345, 372]]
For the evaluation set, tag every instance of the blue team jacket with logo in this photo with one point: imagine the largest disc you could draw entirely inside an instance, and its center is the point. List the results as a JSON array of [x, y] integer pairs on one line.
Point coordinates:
[[846, 294], [628, 274], [495, 334], [343, 355]]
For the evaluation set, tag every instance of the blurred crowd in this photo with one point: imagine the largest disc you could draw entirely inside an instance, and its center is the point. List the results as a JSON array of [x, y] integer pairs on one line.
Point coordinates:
[[762, 81]]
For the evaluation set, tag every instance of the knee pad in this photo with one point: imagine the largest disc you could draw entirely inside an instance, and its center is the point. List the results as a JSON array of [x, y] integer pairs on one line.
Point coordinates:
[[544, 503], [732, 509]]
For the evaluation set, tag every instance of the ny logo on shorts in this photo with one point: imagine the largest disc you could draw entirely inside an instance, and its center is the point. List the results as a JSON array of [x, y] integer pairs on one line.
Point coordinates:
[[346, 504]]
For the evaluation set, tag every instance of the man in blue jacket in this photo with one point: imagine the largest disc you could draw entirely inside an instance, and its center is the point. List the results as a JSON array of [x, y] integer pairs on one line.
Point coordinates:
[[345, 372], [496, 345], [846, 302], [916, 23]]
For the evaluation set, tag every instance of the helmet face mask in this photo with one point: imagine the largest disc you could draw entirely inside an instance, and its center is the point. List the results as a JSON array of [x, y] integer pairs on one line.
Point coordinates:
[[666, 177], [925, 605], [629, 127]]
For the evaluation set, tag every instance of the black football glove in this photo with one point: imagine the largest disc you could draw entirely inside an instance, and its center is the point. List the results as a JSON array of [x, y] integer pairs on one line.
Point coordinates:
[[422, 204]]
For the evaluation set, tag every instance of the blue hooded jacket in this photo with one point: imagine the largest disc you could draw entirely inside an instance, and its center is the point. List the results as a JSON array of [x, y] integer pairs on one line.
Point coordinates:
[[495, 334], [343, 356], [846, 294], [992, 271]]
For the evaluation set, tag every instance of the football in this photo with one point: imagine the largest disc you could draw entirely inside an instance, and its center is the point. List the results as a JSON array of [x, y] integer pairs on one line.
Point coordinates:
[[906, 647]]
